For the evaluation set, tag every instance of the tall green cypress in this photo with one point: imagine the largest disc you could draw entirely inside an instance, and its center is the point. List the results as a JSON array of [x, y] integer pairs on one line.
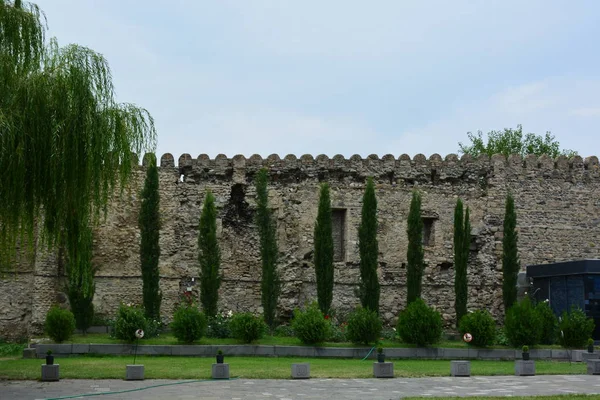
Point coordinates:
[[209, 256], [369, 250], [80, 273], [414, 254], [149, 223], [323, 240], [270, 285], [462, 237], [510, 256]]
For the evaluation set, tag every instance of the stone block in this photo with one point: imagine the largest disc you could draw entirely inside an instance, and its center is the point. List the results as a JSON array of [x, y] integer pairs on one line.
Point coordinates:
[[576, 355], [429, 352], [154, 350], [400, 352], [80, 348], [220, 371], [295, 351], [116, 349], [301, 371], [383, 370], [593, 366], [585, 356], [29, 353], [460, 368], [494, 354], [524, 367], [134, 373], [50, 373]]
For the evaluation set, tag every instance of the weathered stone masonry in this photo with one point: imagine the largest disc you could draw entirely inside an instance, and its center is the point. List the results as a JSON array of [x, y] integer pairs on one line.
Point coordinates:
[[558, 206]]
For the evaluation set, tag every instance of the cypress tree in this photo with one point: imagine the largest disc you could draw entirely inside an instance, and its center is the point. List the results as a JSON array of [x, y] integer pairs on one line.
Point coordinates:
[[414, 254], [80, 274], [149, 223], [209, 256], [369, 250], [323, 240], [270, 285], [462, 238], [64, 140], [510, 256]]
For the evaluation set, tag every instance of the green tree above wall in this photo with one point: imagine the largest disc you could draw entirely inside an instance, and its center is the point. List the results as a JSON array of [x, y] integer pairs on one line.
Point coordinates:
[[511, 141], [64, 140]]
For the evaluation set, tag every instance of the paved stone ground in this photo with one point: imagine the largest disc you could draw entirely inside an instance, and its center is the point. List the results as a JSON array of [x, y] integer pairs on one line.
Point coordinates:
[[353, 389]]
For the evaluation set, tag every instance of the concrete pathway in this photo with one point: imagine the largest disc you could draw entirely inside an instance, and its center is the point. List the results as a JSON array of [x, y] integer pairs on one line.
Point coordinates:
[[354, 389]]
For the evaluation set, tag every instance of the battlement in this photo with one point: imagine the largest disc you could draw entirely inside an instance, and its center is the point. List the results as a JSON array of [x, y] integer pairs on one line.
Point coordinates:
[[434, 169]]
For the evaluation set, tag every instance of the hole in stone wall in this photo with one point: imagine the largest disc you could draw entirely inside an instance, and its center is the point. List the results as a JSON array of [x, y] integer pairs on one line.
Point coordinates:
[[237, 211], [445, 265]]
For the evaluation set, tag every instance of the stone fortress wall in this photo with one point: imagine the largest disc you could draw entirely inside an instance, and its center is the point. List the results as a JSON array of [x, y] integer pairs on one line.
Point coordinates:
[[558, 215]]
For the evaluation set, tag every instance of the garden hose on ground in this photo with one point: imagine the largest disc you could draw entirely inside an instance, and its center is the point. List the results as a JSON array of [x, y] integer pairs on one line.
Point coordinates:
[[136, 389], [368, 354]]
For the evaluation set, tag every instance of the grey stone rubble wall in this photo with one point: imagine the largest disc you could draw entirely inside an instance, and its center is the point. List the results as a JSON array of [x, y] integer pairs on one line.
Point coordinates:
[[558, 219], [297, 351]]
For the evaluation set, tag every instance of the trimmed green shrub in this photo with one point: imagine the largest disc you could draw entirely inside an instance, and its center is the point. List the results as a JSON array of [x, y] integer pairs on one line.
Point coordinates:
[[522, 324], [575, 329], [129, 319], [419, 324], [481, 325], [246, 327], [549, 323], [189, 324], [310, 325], [60, 324], [364, 326]]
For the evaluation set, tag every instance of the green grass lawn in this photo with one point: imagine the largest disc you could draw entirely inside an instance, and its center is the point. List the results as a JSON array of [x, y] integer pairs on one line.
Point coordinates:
[[113, 367], [169, 339]]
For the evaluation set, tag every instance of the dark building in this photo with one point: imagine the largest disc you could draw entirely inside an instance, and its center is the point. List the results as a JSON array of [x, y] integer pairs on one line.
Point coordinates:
[[568, 284]]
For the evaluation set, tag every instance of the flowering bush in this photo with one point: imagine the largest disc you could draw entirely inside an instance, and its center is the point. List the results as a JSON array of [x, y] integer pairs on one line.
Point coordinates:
[[219, 325], [310, 325], [130, 318]]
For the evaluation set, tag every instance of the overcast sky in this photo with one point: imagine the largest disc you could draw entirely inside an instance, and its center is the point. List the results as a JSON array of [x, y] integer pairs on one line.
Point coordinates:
[[346, 77]]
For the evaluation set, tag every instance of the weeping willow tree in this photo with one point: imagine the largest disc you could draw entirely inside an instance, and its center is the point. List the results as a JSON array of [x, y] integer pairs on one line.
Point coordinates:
[[64, 140]]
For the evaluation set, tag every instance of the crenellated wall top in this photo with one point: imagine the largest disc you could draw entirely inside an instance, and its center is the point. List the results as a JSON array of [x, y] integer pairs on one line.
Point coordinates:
[[450, 166]]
